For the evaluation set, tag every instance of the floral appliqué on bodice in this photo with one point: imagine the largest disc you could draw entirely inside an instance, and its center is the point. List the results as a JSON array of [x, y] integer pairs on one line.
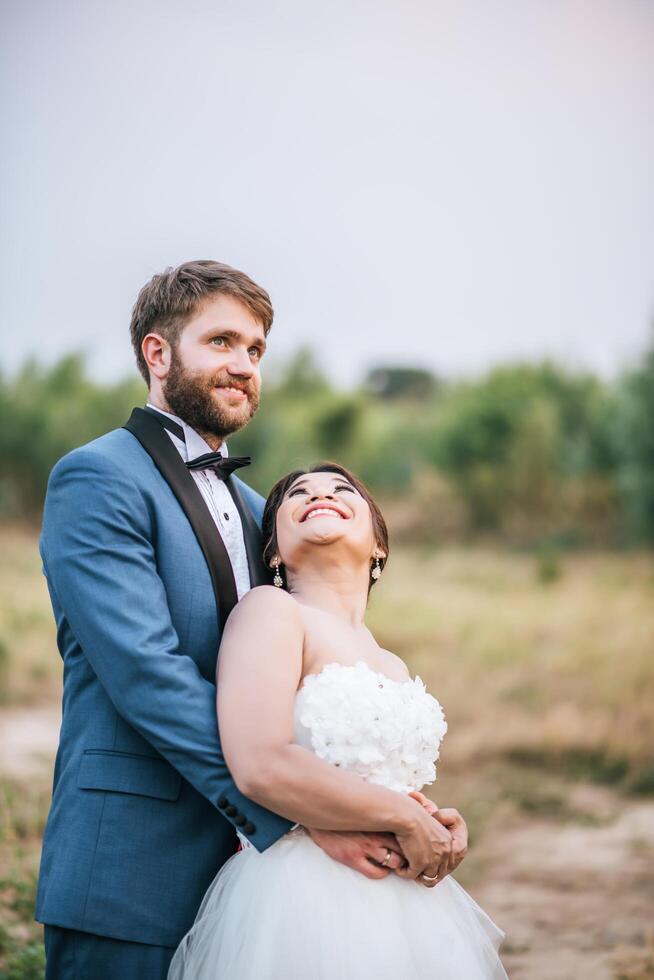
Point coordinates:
[[388, 732]]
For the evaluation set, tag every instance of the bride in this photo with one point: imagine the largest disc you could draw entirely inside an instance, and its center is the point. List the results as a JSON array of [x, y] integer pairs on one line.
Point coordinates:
[[318, 721]]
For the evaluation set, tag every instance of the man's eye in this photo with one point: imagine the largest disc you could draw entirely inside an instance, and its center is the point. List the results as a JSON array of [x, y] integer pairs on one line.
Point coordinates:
[[255, 352], [218, 341]]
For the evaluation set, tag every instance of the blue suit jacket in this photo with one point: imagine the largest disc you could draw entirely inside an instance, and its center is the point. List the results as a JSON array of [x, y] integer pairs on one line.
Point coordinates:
[[144, 808]]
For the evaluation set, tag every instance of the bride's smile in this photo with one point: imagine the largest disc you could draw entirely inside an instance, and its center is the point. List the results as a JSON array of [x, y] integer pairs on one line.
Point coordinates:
[[323, 510]]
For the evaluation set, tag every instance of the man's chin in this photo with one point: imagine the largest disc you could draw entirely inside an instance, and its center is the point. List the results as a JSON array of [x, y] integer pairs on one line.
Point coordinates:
[[229, 422]]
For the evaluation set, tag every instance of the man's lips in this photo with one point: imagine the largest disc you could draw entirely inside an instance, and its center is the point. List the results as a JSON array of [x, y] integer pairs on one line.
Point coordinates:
[[233, 391], [333, 509]]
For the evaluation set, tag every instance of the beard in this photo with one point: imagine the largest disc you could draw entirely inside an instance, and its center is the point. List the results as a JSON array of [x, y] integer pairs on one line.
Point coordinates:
[[190, 397]]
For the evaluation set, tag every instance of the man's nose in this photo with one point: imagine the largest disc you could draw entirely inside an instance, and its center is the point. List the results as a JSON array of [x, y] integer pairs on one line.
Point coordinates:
[[240, 363]]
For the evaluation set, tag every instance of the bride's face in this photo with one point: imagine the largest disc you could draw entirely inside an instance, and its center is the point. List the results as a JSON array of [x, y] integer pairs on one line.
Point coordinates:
[[321, 509]]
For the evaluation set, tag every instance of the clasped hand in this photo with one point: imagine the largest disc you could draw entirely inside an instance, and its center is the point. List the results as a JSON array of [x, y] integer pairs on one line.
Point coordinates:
[[435, 848]]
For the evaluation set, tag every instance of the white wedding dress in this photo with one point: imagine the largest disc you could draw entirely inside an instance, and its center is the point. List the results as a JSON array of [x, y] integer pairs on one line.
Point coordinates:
[[293, 913]]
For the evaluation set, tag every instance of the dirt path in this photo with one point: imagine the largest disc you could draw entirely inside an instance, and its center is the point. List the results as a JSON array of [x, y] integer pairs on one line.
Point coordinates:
[[28, 740], [576, 899]]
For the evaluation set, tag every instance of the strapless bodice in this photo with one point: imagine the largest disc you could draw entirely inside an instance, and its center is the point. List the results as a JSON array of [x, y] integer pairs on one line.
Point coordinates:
[[386, 731]]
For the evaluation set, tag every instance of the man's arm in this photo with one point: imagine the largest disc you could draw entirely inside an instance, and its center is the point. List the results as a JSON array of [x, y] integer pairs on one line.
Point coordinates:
[[100, 564], [259, 670]]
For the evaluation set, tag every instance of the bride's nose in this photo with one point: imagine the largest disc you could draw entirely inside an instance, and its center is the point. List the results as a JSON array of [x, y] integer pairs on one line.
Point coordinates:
[[321, 496]]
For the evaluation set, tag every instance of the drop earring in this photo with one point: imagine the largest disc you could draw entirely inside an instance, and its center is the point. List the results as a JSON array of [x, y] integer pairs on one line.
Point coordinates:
[[376, 570], [278, 580]]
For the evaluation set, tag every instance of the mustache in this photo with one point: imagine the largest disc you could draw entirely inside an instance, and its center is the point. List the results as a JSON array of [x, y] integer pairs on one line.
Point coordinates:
[[232, 381]]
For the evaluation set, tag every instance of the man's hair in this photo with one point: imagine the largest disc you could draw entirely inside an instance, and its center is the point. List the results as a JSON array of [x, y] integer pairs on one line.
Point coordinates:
[[167, 303], [279, 491]]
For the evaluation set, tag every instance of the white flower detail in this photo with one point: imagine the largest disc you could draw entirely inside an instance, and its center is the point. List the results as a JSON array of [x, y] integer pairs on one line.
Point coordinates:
[[388, 732]]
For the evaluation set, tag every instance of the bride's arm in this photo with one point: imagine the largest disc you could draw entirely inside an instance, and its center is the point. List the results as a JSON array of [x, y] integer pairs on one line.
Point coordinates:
[[259, 670]]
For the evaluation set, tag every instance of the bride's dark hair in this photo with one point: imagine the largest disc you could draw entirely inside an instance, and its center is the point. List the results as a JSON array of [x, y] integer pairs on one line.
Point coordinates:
[[278, 492]]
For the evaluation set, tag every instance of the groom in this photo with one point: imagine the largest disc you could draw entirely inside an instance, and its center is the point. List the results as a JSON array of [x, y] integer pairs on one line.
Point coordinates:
[[148, 542]]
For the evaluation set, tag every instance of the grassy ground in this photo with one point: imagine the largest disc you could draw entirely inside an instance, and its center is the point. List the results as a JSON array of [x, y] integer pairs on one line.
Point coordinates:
[[543, 666], [29, 667]]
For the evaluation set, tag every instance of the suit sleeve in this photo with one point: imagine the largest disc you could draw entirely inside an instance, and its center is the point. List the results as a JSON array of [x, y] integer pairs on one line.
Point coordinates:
[[99, 559]]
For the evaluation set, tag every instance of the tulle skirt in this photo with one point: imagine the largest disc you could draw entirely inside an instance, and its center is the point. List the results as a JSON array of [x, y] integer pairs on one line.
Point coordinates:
[[293, 913]]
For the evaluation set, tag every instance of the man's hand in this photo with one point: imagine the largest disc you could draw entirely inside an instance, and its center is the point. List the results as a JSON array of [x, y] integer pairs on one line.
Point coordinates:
[[367, 853]]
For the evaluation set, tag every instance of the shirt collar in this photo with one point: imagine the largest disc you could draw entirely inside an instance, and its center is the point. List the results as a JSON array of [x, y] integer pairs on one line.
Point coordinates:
[[194, 443]]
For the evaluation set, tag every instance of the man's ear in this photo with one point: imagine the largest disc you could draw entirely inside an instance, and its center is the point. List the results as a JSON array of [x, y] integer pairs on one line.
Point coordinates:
[[157, 353]]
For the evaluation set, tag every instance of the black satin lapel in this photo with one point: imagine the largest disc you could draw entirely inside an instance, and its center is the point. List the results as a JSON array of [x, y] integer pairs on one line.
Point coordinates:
[[150, 433], [259, 574]]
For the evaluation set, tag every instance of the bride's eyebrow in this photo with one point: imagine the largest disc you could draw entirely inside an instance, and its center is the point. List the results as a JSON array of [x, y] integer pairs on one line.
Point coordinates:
[[338, 480], [296, 486]]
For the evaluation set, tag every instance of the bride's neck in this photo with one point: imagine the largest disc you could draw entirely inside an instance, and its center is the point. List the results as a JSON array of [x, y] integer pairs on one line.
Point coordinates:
[[336, 591]]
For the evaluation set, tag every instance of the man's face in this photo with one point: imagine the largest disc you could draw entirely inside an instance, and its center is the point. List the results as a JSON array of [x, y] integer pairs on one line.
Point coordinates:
[[214, 379]]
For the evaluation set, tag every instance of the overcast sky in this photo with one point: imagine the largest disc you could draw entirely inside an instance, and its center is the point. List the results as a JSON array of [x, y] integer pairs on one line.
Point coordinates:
[[415, 182]]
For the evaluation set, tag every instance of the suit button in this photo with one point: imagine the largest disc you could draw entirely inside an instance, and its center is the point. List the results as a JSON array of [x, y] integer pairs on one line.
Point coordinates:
[[240, 820], [222, 802], [249, 828], [231, 811]]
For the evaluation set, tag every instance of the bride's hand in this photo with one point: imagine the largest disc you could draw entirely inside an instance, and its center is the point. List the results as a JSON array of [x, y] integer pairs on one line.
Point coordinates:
[[424, 802], [427, 847], [454, 822], [456, 825]]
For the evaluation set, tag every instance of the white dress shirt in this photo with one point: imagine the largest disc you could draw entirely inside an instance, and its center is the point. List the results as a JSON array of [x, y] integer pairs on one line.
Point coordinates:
[[217, 498]]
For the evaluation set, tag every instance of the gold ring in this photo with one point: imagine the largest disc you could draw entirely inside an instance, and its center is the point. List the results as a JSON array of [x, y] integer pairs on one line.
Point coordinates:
[[387, 860]]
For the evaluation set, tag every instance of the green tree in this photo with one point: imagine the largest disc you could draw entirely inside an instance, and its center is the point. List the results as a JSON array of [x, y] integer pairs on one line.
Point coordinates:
[[634, 447], [413, 384], [507, 439], [47, 412]]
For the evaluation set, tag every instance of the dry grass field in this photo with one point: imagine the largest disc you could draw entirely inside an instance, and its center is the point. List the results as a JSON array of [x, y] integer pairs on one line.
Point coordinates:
[[544, 669]]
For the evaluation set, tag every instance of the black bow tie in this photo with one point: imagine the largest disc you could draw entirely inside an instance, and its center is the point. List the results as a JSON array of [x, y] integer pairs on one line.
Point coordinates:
[[223, 466]]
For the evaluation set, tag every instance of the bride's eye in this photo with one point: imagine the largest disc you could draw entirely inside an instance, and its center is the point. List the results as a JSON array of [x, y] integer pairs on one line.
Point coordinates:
[[294, 493], [345, 486]]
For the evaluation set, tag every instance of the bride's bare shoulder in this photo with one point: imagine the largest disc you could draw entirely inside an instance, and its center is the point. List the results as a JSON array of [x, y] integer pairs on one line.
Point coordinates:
[[396, 666], [266, 600], [269, 594]]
